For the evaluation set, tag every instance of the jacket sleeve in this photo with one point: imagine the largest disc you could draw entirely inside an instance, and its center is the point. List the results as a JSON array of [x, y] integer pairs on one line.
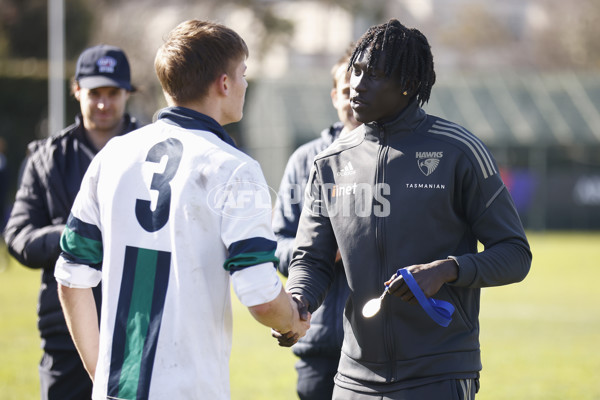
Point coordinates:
[[494, 221], [286, 214], [311, 271], [30, 234]]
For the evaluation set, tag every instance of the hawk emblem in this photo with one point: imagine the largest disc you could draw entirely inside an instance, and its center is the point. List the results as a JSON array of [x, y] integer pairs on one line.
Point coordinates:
[[429, 165], [428, 161]]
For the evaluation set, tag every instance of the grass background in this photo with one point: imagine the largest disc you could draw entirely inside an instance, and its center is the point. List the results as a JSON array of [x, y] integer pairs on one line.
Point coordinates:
[[539, 338]]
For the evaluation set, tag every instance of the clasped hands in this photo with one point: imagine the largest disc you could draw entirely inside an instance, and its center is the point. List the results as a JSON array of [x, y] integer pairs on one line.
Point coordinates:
[[300, 324]]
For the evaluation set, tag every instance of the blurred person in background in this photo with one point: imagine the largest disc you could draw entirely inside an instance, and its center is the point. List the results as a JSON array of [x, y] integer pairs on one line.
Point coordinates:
[[4, 185], [50, 179], [4, 182], [405, 198], [319, 350]]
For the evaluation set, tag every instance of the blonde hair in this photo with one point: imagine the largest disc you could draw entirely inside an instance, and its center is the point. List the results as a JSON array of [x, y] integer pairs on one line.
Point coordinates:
[[194, 54]]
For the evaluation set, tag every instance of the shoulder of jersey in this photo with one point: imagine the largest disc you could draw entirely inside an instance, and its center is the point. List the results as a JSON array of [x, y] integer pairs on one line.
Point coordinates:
[[206, 135], [344, 142], [466, 142]]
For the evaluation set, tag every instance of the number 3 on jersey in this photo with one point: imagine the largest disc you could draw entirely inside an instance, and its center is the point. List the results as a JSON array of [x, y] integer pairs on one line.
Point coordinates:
[[153, 220]]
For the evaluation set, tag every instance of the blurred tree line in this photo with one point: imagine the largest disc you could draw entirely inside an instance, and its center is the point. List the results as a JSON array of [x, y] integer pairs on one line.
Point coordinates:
[[136, 26], [560, 35], [23, 75], [546, 35]]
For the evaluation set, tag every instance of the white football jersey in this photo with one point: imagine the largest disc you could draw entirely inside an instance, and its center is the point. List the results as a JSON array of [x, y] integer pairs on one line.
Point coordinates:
[[165, 214]]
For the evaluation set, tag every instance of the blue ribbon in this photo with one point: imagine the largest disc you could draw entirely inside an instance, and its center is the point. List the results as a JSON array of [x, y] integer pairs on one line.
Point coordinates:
[[439, 310]]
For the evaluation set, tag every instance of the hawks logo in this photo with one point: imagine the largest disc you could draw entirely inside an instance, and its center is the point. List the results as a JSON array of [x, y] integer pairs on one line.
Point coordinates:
[[427, 161]]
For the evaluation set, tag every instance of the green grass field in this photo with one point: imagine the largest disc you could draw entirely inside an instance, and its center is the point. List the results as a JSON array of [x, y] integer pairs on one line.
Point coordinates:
[[539, 338]]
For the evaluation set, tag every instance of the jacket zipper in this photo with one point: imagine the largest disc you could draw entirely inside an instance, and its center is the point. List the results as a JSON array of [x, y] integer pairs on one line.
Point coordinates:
[[379, 237]]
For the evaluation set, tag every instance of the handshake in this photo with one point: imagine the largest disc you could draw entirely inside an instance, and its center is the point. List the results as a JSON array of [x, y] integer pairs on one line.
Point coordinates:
[[300, 322]]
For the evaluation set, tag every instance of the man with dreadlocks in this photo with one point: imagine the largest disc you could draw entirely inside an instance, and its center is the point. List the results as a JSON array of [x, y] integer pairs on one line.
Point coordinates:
[[406, 197]]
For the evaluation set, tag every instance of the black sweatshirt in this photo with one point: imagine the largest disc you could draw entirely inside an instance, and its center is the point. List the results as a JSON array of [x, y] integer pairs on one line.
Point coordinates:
[[412, 191]]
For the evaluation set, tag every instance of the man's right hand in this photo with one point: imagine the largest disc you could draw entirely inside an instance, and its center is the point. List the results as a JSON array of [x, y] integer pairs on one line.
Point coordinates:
[[300, 325]]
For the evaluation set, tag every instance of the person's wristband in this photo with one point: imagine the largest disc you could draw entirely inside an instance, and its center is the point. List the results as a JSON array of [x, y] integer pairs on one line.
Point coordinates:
[[439, 310]]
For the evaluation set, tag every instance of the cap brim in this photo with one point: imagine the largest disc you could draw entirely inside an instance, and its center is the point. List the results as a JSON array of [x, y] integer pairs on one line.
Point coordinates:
[[93, 82]]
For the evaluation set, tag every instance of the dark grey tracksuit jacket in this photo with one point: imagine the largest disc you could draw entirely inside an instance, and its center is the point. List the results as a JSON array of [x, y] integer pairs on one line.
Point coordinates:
[[325, 336], [407, 192]]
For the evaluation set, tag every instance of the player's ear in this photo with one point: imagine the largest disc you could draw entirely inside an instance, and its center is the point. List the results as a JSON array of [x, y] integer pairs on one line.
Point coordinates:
[[77, 92], [334, 97], [410, 89], [222, 84]]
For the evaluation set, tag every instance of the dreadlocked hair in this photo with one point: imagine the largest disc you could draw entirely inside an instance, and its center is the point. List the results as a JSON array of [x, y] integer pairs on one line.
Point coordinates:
[[407, 56]]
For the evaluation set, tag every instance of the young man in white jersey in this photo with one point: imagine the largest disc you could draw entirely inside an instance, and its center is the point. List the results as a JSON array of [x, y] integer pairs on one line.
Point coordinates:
[[166, 219]]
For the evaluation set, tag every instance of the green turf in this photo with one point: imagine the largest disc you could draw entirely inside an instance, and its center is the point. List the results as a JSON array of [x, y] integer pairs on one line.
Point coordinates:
[[539, 338], [19, 341]]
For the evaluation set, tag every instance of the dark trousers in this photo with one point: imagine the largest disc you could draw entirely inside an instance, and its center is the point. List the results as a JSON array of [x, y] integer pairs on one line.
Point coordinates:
[[63, 377], [315, 377]]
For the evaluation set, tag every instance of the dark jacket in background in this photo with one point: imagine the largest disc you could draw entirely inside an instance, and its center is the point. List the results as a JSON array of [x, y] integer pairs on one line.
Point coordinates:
[[48, 185], [324, 338]]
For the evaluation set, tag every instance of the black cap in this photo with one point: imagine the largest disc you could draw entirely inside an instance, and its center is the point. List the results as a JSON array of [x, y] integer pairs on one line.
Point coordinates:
[[101, 66]]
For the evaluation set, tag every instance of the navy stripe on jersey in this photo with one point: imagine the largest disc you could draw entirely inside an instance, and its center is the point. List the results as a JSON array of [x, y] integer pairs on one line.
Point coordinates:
[[249, 252], [84, 229], [459, 133], [122, 314], [138, 318], [81, 242]]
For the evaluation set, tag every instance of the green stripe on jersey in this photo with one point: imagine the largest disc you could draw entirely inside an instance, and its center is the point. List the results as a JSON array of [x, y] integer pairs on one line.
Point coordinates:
[[137, 322], [83, 248], [249, 259]]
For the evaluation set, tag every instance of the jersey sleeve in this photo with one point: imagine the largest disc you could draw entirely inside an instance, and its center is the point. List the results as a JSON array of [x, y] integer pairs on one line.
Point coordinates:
[[81, 241], [246, 232]]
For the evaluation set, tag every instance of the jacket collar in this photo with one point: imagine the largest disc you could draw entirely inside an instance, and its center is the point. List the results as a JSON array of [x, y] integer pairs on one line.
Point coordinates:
[[190, 119], [333, 132], [130, 124], [403, 124]]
